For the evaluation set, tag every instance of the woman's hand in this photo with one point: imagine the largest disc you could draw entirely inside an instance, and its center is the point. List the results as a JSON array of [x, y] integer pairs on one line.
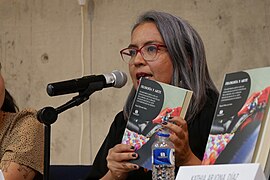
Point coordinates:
[[179, 136], [117, 161]]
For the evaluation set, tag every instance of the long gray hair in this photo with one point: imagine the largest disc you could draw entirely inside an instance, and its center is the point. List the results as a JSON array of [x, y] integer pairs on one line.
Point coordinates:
[[187, 53]]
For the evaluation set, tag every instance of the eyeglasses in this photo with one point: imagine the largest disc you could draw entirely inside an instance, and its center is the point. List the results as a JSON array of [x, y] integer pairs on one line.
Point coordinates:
[[148, 52]]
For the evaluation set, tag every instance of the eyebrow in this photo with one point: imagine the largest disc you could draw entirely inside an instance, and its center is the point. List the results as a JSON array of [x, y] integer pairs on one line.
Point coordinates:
[[146, 43]]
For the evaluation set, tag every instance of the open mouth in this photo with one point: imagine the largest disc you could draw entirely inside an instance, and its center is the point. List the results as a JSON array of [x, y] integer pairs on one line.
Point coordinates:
[[139, 75]]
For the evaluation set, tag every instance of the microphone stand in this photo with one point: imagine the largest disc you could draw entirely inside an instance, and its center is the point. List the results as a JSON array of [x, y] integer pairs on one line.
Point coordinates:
[[48, 115]]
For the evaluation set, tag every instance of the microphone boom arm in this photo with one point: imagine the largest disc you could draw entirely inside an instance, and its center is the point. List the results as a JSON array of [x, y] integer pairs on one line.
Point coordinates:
[[48, 115]]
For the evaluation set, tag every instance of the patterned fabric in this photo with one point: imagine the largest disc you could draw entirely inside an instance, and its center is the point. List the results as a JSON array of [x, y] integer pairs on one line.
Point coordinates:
[[134, 139], [215, 145], [22, 139]]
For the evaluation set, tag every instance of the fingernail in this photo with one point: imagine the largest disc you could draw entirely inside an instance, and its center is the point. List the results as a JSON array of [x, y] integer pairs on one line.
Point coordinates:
[[164, 123], [134, 155]]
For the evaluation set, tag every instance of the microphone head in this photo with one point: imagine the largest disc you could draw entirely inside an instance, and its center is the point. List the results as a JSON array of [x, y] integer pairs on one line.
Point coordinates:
[[120, 78]]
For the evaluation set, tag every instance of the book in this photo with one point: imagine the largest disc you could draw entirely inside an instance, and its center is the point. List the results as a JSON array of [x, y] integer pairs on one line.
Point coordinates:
[[240, 127], [267, 167], [154, 103], [1, 175]]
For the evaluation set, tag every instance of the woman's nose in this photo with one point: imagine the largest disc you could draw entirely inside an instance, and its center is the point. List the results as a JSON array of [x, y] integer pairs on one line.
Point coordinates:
[[138, 59]]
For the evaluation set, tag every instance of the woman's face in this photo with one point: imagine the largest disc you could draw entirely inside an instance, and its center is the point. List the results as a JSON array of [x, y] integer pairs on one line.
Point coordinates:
[[160, 69], [2, 89]]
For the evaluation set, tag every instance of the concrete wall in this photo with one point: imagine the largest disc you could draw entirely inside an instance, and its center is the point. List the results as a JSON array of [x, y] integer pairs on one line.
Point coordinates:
[[40, 42]]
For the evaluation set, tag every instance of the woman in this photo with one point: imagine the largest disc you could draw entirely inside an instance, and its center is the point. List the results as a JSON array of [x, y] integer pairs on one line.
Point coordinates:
[[21, 140], [164, 48]]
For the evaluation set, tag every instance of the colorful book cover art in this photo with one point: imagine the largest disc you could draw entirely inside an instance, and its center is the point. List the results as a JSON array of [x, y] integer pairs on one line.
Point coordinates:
[[241, 108], [154, 103]]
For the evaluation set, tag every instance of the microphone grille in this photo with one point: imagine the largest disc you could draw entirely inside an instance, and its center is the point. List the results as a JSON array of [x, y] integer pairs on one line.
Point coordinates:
[[120, 78]]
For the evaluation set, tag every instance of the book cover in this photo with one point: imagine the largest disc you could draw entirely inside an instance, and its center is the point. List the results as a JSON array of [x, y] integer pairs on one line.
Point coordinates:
[[241, 122], [154, 103]]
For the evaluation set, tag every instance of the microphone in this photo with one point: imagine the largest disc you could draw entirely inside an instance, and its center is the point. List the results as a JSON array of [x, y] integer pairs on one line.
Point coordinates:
[[115, 79]]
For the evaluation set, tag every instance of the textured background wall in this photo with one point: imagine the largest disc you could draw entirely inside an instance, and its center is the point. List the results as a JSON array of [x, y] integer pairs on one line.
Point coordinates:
[[40, 42]]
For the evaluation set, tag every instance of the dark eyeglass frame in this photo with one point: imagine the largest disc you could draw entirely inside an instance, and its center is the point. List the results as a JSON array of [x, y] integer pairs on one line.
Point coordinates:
[[140, 51]]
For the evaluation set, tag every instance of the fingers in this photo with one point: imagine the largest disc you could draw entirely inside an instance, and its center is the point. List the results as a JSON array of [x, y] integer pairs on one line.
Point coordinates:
[[176, 125], [124, 167], [123, 148], [178, 129], [179, 136], [129, 166], [122, 152], [120, 172], [179, 122], [117, 160]]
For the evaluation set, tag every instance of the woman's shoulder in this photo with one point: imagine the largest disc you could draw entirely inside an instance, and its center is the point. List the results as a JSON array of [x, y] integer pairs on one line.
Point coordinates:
[[27, 116], [119, 123], [25, 139], [119, 120], [27, 112]]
